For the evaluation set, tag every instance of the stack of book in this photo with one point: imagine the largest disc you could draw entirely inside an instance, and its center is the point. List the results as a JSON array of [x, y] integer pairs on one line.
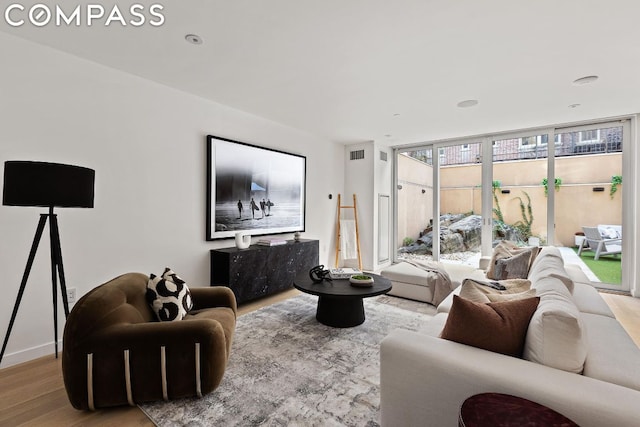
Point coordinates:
[[271, 241], [343, 273]]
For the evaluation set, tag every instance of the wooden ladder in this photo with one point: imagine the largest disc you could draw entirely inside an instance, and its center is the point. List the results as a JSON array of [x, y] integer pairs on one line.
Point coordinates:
[[338, 235]]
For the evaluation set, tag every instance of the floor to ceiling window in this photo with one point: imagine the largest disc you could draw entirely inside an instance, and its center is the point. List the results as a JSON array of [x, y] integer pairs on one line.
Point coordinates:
[[519, 197], [544, 186], [588, 170], [414, 201], [460, 191], [455, 173]]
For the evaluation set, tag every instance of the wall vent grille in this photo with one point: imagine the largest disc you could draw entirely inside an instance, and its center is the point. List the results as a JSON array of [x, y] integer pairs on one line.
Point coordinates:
[[357, 155], [383, 156]]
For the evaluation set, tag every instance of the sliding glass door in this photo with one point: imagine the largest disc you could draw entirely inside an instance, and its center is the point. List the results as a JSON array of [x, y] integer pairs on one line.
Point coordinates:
[[589, 199], [460, 191], [414, 202], [520, 169], [542, 187], [449, 184]]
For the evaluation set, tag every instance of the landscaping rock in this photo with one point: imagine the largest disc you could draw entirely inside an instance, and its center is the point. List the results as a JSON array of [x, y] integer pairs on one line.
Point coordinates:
[[451, 242], [460, 233], [448, 219], [470, 229], [504, 231], [416, 249]]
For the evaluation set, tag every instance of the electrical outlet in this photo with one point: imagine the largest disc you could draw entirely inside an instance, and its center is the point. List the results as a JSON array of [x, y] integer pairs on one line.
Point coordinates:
[[71, 295]]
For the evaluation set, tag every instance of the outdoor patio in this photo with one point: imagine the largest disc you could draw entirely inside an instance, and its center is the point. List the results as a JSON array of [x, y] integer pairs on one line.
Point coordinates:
[[473, 259]]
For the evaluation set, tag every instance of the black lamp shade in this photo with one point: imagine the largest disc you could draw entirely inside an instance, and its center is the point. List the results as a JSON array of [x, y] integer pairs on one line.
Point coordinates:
[[47, 184]]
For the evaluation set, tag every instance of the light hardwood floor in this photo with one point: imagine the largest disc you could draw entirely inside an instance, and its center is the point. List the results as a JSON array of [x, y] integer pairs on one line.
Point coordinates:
[[627, 311], [32, 393]]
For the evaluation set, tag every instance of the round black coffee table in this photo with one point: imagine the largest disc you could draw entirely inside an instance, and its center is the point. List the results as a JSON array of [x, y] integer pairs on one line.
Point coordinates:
[[339, 302]]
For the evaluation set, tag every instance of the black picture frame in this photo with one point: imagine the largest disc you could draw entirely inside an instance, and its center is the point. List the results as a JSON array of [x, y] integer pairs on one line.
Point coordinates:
[[240, 172]]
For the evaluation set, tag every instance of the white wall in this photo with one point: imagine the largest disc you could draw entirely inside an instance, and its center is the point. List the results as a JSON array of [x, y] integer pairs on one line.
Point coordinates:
[[147, 145], [359, 178], [383, 183], [368, 178]]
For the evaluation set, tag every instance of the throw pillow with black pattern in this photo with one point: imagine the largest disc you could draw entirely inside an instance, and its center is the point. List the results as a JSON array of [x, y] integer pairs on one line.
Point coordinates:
[[168, 296]]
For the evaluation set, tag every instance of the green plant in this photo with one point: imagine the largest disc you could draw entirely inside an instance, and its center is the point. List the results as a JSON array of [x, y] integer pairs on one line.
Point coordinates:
[[524, 226], [497, 211], [407, 241], [557, 184], [615, 181]]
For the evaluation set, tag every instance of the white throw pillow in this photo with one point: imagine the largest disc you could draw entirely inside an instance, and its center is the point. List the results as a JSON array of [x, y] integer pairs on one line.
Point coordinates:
[[555, 337]]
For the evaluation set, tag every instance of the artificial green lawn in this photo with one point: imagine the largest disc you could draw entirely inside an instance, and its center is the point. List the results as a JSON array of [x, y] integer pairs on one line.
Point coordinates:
[[607, 268]]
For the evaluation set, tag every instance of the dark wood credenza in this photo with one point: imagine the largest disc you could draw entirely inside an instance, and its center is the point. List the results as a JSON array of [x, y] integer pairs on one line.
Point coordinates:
[[259, 271]]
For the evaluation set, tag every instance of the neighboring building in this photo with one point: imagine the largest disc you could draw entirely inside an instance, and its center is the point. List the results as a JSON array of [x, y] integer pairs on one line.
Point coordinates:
[[533, 147]]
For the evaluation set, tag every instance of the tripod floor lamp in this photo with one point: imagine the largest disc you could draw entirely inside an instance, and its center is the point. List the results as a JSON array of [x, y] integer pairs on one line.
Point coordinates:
[[46, 185]]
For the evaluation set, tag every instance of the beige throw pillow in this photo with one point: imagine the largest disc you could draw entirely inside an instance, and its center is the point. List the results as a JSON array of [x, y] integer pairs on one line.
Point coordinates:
[[515, 267], [504, 250], [476, 291]]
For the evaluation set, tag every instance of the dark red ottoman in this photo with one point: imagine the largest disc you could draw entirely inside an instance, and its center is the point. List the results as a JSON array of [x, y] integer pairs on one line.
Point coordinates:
[[503, 410]]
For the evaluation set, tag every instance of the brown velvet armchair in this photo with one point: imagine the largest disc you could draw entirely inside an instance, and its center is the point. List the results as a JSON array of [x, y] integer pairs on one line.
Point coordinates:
[[116, 353]]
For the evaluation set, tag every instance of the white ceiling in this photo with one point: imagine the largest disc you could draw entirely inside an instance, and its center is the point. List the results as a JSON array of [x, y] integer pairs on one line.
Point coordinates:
[[385, 70]]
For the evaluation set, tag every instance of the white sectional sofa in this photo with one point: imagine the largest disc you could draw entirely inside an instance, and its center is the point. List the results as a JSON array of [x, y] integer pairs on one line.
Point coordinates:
[[425, 379]]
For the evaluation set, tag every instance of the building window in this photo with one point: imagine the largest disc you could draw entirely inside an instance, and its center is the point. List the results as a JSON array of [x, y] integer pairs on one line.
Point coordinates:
[[531, 142], [589, 136], [527, 143]]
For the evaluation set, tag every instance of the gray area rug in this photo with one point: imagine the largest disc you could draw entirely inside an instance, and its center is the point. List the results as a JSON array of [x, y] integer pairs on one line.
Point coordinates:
[[286, 369]]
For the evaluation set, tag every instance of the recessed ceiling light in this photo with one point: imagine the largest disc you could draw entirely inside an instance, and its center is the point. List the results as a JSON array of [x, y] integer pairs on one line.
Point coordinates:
[[396, 115], [585, 80], [388, 135], [193, 39], [468, 103], [574, 105]]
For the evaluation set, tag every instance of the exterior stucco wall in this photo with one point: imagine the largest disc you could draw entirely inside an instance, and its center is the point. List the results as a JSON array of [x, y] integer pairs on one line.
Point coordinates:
[[576, 202]]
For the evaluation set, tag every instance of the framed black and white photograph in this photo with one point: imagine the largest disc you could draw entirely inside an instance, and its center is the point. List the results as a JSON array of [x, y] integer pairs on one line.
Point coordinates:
[[253, 189]]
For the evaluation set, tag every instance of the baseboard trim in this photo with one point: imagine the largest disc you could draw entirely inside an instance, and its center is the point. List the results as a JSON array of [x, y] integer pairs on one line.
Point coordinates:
[[28, 354]]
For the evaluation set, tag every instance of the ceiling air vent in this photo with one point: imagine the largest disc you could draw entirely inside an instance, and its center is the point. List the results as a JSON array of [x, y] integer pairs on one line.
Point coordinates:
[[383, 156], [357, 155]]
